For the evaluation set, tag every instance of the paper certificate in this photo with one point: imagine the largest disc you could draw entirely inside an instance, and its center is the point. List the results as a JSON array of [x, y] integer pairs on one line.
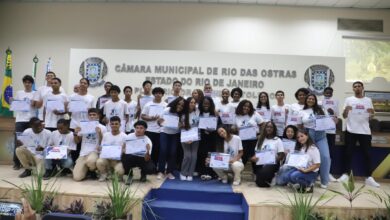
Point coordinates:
[[298, 160], [324, 123], [219, 161], [248, 133], [265, 157], [145, 99], [20, 106], [88, 127], [103, 100], [171, 121], [52, 105], [293, 119], [77, 106], [289, 145], [111, 152], [278, 117], [156, 110], [136, 147], [189, 135], [208, 123], [56, 152], [265, 114], [228, 118]]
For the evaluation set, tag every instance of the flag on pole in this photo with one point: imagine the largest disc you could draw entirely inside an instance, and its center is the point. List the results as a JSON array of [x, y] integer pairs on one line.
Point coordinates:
[[34, 75], [6, 91], [49, 66]]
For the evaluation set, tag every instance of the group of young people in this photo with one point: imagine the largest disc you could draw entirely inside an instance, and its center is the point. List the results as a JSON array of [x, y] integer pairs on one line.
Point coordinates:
[[204, 135]]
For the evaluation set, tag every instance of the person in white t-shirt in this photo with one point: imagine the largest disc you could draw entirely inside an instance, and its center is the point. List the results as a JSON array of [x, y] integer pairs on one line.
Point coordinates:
[[176, 89], [233, 146], [263, 107], [279, 112], [268, 141], [145, 97], [115, 107], [23, 117], [293, 113], [115, 137], [208, 91], [60, 137], [30, 150], [225, 110], [86, 162], [358, 110], [131, 109], [236, 95]]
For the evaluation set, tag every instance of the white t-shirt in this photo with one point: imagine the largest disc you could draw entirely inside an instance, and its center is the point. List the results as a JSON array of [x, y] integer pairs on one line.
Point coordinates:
[[152, 125], [117, 140], [246, 120], [225, 109], [194, 118], [51, 118], [131, 110], [262, 111], [58, 139], [147, 139], [144, 100], [308, 118], [81, 116], [234, 105], [294, 116], [278, 116], [42, 92], [25, 116], [119, 109], [314, 155], [358, 117], [233, 146], [274, 144], [89, 142], [35, 140]]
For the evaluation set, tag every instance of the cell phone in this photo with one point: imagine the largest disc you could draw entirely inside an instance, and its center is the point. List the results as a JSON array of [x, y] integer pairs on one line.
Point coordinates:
[[9, 209]]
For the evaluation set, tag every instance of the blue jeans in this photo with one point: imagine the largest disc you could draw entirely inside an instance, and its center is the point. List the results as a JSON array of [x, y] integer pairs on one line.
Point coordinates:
[[319, 138], [64, 163], [295, 176], [167, 153]]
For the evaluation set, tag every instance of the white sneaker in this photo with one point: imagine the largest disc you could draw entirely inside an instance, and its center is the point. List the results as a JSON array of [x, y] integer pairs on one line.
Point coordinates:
[[331, 178], [324, 186], [236, 183], [273, 181], [103, 177], [343, 178], [170, 176], [371, 182], [189, 178], [160, 176], [205, 177], [225, 179], [182, 178]]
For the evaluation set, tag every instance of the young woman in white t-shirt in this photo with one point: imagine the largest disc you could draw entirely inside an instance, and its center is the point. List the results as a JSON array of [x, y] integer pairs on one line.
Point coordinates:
[[268, 141], [263, 107], [236, 95]]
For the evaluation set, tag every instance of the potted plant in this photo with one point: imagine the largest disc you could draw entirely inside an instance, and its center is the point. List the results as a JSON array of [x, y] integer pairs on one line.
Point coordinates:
[[76, 207]]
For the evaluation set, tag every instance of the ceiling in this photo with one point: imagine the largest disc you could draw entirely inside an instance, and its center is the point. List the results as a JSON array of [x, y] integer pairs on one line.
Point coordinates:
[[298, 3]]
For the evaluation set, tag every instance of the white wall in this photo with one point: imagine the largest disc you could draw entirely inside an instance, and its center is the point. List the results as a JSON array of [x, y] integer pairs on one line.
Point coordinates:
[[51, 29]]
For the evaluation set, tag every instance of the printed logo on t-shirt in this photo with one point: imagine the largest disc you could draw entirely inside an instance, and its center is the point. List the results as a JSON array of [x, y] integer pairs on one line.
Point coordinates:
[[329, 102], [358, 106]]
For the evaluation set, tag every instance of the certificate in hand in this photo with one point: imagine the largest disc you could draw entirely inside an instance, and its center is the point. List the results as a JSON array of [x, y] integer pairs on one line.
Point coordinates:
[[144, 100], [208, 123], [265, 157], [219, 161], [171, 121], [248, 133], [136, 147], [324, 122], [20, 106], [56, 152], [77, 106], [228, 118], [265, 114], [156, 110], [52, 105], [112, 152], [298, 160], [88, 127], [289, 145], [189, 135], [293, 119]]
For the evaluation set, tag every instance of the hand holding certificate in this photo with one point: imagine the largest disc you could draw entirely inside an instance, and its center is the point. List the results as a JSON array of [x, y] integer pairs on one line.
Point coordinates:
[[265, 157], [77, 106], [294, 119], [136, 147], [52, 105], [189, 135], [248, 133], [171, 121], [208, 123], [111, 152], [20, 106], [56, 152], [88, 127], [324, 122], [219, 161], [298, 160]]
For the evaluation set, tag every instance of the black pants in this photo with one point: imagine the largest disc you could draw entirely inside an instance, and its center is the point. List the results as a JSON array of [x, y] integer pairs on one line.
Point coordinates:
[[249, 151], [155, 138], [75, 153], [365, 144], [19, 128], [207, 144], [130, 161], [331, 138], [265, 173]]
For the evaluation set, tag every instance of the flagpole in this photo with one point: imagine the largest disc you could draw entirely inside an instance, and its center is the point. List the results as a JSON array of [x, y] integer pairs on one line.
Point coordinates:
[[35, 61]]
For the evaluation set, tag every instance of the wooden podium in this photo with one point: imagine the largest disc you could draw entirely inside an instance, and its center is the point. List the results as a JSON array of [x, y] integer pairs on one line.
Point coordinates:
[[7, 139]]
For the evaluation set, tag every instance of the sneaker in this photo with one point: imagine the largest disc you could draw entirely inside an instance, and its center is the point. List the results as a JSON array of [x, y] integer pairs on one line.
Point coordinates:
[[205, 177], [129, 180], [189, 178], [182, 178], [273, 181], [47, 174], [92, 175], [324, 186], [102, 177], [309, 189], [160, 176], [343, 178], [171, 176], [371, 182], [224, 179], [195, 174], [16, 166], [331, 178], [236, 183], [26, 173], [296, 186], [143, 178]]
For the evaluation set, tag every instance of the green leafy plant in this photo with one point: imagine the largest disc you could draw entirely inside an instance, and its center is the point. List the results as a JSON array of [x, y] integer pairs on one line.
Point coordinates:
[[76, 207], [49, 205], [382, 198], [102, 210]]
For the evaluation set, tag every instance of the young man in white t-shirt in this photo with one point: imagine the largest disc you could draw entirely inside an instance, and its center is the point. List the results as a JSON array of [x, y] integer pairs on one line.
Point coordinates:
[[145, 97], [176, 88], [138, 159], [30, 150], [279, 113], [23, 117], [86, 162], [115, 137], [131, 109], [115, 107], [358, 110]]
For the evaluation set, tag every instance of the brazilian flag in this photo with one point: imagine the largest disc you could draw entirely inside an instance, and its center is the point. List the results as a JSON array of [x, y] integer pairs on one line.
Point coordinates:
[[6, 91]]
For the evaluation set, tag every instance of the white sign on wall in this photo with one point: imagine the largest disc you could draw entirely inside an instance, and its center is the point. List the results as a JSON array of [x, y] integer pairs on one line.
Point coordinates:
[[253, 73]]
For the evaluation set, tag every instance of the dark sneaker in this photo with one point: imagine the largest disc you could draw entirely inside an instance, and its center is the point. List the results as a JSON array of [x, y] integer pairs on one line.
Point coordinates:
[[16, 167], [92, 175], [143, 178], [26, 173], [48, 174]]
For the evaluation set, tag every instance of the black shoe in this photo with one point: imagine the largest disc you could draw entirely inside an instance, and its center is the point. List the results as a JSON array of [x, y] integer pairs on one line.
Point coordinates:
[[26, 173], [129, 179], [92, 175], [16, 167], [48, 174], [143, 178]]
